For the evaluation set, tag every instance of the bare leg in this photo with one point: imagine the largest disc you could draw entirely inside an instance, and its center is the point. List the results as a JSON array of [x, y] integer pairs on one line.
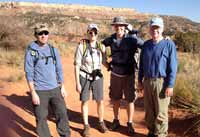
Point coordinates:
[[84, 109], [100, 110], [116, 109], [130, 111]]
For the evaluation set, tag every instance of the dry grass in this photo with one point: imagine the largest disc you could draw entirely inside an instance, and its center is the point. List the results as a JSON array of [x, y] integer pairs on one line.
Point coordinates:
[[188, 78], [13, 36], [187, 93], [11, 58]]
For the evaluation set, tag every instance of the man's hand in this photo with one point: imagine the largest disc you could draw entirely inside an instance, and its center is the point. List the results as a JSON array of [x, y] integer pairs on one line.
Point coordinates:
[[140, 89], [140, 86], [167, 38], [78, 87], [63, 92], [169, 92], [35, 98], [109, 59]]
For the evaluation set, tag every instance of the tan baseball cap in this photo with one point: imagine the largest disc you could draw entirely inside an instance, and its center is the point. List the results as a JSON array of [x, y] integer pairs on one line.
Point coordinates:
[[41, 27]]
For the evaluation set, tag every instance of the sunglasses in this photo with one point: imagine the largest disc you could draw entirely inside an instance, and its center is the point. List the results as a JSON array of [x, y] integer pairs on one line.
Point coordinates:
[[43, 32], [93, 32]]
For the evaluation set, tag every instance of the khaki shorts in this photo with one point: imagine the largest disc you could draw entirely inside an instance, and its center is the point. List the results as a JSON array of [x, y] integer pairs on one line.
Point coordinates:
[[120, 86]]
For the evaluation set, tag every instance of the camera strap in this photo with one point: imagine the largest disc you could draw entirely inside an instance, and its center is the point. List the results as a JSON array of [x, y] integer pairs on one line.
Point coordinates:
[[90, 50]]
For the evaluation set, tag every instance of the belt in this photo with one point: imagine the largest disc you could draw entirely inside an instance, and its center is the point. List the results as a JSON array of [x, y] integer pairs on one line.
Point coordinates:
[[153, 79]]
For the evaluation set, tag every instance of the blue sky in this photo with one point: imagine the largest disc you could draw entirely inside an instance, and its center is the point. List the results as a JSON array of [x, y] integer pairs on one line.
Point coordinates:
[[186, 8]]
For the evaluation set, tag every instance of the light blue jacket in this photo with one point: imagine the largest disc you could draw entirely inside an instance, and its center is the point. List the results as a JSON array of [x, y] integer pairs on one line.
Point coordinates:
[[45, 74]]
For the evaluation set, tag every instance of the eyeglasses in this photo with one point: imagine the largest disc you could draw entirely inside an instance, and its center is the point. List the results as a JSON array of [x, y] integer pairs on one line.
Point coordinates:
[[93, 32], [43, 32]]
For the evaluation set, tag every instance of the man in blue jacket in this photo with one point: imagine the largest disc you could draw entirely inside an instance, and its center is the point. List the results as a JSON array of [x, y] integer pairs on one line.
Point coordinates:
[[157, 73], [46, 83]]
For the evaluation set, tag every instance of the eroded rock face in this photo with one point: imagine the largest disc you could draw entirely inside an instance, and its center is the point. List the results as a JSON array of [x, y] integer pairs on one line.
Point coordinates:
[[70, 9], [70, 21]]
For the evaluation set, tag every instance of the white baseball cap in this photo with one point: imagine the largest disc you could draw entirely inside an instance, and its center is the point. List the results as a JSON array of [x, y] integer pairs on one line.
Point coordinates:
[[92, 26], [157, 21]]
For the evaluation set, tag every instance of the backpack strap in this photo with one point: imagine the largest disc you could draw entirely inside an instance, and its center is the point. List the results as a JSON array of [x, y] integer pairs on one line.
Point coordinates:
[[100, 46], [35, 54], [52, 50], [85, 46]]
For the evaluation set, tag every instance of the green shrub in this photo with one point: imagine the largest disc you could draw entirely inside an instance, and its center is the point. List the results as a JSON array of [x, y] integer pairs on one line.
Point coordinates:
[[188, 42]]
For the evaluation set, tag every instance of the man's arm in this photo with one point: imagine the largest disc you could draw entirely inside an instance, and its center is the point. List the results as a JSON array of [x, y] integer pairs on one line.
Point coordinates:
[[29, 72], [106, 53], [77, 78], [34, 95], [77, 63], [171, 70], [141, 72], [171, 66], [139, 41], [59, 70], [108, 42]]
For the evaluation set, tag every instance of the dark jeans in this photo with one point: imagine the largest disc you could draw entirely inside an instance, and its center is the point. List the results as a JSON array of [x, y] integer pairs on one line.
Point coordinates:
[[57, 102]]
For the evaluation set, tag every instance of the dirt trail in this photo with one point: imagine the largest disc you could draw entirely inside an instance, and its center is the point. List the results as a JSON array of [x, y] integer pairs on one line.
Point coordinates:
[[17, 118]]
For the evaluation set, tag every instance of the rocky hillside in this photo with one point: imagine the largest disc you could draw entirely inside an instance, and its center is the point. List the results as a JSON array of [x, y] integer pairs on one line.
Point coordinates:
[[71, 10], [70, 21]]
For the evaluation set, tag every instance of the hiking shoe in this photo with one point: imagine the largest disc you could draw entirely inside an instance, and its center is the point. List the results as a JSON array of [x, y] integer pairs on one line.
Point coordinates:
[[151, 135], [115, 125], [102, 127], [86, 131], [131, 130]]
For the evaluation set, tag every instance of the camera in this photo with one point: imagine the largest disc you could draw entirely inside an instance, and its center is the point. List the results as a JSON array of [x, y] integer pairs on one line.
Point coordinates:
[[96, 72]]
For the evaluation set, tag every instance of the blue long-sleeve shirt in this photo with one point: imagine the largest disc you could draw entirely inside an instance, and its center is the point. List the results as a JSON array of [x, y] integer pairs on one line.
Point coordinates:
[[44, 74], [158, 60]]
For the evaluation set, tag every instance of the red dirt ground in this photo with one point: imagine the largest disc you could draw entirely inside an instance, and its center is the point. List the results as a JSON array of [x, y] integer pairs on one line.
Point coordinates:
[[17, 118]]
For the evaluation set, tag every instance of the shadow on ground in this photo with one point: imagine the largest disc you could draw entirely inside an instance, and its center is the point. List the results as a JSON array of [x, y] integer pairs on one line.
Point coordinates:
[[9, 120], [24, 102]]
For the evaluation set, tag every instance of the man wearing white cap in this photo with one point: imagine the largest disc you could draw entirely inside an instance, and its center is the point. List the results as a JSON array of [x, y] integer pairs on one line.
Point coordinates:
[[157, 73], [87, 61]]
